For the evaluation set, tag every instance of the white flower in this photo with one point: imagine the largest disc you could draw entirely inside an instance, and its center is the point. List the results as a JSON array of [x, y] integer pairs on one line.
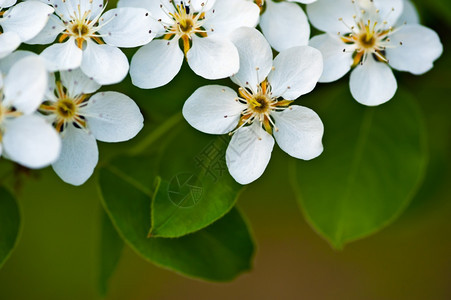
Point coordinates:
[[81, 119], [89, 38], [262, 108], [372, 37], [25, 137], [21, 23], [203, 27], [284, 23]]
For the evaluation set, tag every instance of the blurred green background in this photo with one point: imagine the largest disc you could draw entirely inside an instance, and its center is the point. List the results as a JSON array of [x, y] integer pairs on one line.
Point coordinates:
[[57, 255]]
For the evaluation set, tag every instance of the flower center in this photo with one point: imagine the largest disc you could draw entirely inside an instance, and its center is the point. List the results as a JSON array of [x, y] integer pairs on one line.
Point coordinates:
[[259, 106], [366, 41], [66, 109], [260, 103], [185, 23], [81, 27]]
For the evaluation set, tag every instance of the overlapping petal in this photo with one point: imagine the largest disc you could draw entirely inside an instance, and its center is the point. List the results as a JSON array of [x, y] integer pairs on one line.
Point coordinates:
[[299, 132], [30, 141], [113, 117], [156, 64], [106, 64], [285, 25], [255, 57], [249, 153], [372, 83], [213, 109], [296, 72], [213, 57], [79, 156]]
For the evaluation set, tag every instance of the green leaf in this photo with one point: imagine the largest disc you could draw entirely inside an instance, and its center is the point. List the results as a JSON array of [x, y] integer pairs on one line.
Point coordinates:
[[9, 224], [372, 165], [195, 188], [111, 246], [219, 252]]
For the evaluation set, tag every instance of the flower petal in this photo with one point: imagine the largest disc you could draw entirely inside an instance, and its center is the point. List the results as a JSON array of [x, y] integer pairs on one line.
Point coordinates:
[[372, 83], [128, 27], [213, 57], [213, 109], [51, 30], [296, 72], [325, 15], [7, 3], [105, 63], [63, 56], [285, 25], [153, 7], [66, 9], [79, 156], [9, 61], [388, 10], [26, 19], [113, 117], [420, 47], [249, 153], [31, 141], [156, 64], [25, 84], [226, 16], [255, 57], [300, 131], [9, 41], [199, 5], [78, 83], [409, 14], [336, 61]]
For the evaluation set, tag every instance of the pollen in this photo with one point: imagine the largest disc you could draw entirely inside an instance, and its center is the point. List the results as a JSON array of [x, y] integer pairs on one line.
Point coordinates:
[[66, 108]]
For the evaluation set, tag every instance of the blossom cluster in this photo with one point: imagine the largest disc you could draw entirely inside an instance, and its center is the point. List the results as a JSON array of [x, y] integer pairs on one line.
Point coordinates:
[[51, 112]]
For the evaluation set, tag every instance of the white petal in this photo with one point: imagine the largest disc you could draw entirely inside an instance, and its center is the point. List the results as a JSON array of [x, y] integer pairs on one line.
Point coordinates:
[[255, 57], [153, 7], [25, 84], [9, 41], [66, 9], [226, 16], [128, 27], [300, 131], [213, 57], [7, 62], [302, 1], [213, 109], [78, 158], [388, 10], [409, 14], [51, 30], [372, 83], [420, 47], [63, 56], [7, 3], [78, 83], [285, 25], [296, 72], [249, 153], [31, 141], [105, 63], [204, 5], [113, 117], [26, 19], [156, 64], [325, 15], [336, 62]]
